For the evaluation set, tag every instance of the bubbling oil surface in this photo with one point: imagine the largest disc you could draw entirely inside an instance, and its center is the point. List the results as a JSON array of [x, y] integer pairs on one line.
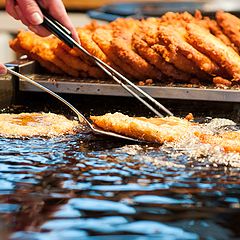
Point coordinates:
[[82, 187], [212, 154]]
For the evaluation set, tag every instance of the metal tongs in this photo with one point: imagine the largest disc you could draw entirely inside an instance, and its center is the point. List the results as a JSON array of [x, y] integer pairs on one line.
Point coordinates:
[[64, 34]]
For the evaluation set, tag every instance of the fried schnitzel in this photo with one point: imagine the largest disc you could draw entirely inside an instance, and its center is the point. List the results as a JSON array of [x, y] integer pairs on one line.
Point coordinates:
[[174, 47], [168, 129], [103, 37], [43, 48], [150, 55], [175, 39], [230, 25], [144, 40], [84, 69], [215, 49], [35, 124], [153, 129], [122, 46], [229, 141], [15, 44]]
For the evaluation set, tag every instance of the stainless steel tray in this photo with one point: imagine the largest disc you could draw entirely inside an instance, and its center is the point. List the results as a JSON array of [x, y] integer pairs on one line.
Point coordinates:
[[65, 84]]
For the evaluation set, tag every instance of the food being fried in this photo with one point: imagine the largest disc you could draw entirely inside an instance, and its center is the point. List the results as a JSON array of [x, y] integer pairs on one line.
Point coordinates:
[[215, 49], [153, 129], [168, 129], [229, 141], [35, 124], [230, 25]]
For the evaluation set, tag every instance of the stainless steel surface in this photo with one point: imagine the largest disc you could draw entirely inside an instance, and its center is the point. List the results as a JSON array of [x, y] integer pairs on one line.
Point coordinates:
[[6, 91], [111, 89], [61, 84], [79, 115]]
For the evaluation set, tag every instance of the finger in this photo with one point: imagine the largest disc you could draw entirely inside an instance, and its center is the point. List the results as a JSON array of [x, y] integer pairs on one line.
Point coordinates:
[[39, 30], [31, 11], [58, 11], [21, 16], [10, 8], [3, 69]]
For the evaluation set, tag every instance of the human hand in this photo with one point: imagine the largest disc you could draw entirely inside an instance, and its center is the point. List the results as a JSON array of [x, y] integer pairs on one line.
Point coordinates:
[[30, 14], [3, 69]]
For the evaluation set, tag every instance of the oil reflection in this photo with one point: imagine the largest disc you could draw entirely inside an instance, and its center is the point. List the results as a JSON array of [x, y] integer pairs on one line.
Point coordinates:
[[82, 188]]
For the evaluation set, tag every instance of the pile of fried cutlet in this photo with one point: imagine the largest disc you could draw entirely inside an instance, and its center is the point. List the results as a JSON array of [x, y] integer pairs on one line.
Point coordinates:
[[176, 47]]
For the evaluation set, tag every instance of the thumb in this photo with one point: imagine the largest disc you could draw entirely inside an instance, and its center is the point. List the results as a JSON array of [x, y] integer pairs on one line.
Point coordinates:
[[31, 11]]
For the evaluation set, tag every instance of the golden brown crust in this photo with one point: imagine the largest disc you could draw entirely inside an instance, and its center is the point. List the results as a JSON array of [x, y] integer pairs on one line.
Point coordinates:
[[85, 36], [230, 25], [123, 48], [215, 49], [176, 46], [103, 37], [35, 124], [149, 54], [141, 68], [146, 41], [76, 63], [181, 62], [176, 41], [17, 46], [153, 129], [44, 49], [219, 81], [229, 141], [169, 129], [216, 30]]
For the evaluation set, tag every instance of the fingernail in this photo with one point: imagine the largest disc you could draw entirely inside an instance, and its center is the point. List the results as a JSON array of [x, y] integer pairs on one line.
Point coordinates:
[[36, 19]]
